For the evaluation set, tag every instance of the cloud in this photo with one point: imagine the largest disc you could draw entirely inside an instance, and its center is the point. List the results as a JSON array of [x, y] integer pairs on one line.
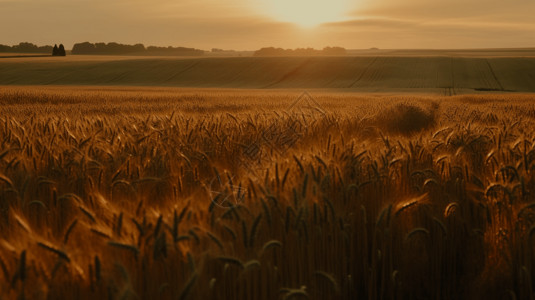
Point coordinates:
[[371, 22], [454, 24], [511, 10], [440, 33]]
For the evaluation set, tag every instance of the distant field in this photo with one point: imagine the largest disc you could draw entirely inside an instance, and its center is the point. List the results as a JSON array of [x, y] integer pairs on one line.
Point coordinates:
[[437, 72], [498, 52]]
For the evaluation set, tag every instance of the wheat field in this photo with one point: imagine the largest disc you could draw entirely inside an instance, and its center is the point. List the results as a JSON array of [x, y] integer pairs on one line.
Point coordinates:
[[166, 193]]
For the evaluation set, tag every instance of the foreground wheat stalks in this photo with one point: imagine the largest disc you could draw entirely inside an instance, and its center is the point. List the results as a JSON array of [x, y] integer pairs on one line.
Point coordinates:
[[109, 194]]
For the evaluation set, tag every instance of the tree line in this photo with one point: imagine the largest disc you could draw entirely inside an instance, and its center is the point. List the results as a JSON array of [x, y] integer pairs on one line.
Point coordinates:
[[327, 51], [25, 47], [138, 49]]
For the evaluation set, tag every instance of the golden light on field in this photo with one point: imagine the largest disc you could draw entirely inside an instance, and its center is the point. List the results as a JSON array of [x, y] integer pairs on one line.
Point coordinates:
[[156, 193], [306, 13]]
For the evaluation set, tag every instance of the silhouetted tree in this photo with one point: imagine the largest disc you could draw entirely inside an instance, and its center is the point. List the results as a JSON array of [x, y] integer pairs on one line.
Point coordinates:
[[83, 48], [137, 49], [55, 50], [26, 48], [44, 49], [61, 50], [334, 51]]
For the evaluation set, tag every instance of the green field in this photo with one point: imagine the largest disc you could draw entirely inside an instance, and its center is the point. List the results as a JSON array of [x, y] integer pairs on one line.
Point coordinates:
[[446, 75]]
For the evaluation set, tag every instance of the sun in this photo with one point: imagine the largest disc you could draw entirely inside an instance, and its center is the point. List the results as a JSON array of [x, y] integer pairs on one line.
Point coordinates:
[[307, 13]]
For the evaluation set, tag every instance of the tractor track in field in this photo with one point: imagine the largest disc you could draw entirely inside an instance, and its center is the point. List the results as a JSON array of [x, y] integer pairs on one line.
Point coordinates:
[[449, 91], [363, 72], [378, 73], [289, 74], [193, 65], [494, 75], [58, 79], [120, 76]]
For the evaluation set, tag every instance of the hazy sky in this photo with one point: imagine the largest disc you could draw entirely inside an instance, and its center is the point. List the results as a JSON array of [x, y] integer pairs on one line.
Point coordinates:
[[251, 24]]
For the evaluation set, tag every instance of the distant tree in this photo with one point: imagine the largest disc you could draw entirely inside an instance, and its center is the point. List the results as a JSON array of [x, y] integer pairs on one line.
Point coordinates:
[[138, 48], [83, 48], [269, 51], [45, 49], [177, 51], [5, 48], [25, 47], [334, 51], [61, 50], [55, 50], [100, 48], [120, 49]]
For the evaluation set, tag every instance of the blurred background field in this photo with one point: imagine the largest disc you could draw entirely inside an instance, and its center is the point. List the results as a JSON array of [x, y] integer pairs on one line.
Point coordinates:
[[417, 71]]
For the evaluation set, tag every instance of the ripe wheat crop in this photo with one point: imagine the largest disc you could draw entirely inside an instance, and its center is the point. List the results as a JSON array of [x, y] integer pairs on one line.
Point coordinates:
[[157, 194]]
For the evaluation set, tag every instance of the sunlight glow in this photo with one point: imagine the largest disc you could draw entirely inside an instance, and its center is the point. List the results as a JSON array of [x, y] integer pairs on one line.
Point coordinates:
[[307, 13]]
